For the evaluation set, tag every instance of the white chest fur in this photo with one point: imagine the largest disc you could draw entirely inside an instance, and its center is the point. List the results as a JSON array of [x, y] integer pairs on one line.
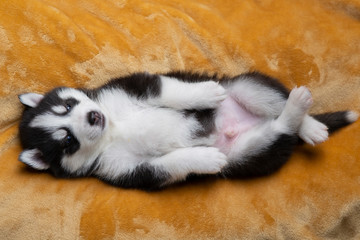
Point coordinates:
[[138, 131]]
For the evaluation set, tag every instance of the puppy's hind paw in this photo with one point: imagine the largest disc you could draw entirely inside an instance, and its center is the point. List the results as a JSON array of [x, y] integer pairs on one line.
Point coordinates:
[[301, 97], [313, 132]]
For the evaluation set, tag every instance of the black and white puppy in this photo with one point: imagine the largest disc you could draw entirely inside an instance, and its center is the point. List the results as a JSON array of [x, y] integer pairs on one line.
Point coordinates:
[[147, 131]]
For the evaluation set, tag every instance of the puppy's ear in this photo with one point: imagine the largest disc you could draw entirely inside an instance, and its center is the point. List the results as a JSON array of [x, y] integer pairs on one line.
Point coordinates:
[[30, 99], [34, 159]]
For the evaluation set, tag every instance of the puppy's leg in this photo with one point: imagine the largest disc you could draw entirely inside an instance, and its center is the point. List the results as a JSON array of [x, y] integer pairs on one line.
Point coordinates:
[[266, 147], [269, 101], [184, 95], [179, 163], [296, 106], [172, 167], [257, 97]]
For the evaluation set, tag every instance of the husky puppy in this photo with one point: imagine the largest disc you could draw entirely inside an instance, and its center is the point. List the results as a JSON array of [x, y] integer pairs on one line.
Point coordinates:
[[147, 131]]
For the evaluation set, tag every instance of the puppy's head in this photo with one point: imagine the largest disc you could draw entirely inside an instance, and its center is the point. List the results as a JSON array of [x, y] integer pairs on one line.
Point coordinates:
[[61, 131]]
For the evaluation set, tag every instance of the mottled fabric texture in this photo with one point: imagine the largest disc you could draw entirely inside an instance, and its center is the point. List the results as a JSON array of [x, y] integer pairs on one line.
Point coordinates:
[[78, 43]]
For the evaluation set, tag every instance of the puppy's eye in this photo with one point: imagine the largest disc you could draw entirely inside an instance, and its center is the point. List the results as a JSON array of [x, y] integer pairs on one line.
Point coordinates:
[[68, 107], [70, 103], [68, 140], [69, 143]]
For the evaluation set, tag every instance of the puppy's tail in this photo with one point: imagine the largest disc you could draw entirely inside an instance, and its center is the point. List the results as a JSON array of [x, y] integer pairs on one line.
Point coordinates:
[[336, 120]]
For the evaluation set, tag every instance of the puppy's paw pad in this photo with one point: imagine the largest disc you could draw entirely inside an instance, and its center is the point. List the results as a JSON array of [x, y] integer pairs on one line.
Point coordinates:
[[314, 132], [301, 96]]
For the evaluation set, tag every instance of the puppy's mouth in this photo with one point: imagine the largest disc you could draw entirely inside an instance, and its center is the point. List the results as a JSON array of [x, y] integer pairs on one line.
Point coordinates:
[[102, 121], [96, 118]]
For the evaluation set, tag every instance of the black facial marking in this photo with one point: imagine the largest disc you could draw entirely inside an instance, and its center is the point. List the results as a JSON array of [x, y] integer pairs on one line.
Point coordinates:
[[50, 149], [68, 140], [70, 103], [70, 144]]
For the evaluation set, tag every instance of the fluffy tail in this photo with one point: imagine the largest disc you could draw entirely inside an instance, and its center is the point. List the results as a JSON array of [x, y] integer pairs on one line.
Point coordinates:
[[336, 120]]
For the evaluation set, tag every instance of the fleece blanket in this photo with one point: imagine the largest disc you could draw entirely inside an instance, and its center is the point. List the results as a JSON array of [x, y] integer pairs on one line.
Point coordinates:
[[79, 43]]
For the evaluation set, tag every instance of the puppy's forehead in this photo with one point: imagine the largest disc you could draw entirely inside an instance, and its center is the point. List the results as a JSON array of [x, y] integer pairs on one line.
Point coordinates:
[[54, 115], [49, 121], [67, 93]]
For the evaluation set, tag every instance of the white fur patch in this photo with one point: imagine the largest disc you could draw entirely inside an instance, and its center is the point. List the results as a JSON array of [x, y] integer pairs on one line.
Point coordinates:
[[352, 116], [59, 134], [49, 121], [32, 158], [59, 109], [31, 99], [182, 95], [179, 163], [312, 131], [82, 159], [256, 98]]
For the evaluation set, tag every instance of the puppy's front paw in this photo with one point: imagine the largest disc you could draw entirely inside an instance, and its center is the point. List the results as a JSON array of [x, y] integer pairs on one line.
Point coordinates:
[[210, 94], [210, 160]]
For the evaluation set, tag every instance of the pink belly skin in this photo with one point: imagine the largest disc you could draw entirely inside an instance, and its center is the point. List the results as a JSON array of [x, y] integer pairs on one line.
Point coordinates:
[[231, 121]]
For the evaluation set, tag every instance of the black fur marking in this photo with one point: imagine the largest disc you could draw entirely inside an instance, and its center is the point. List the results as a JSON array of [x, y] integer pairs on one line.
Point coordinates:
[[206, 118], [139, 85], [334, 121], [91, 93], [69, 104], [71, 146], [51, 150], [196, 77], [50, 99], [266, 162], [58, 171], [144, 176], [263, 79]]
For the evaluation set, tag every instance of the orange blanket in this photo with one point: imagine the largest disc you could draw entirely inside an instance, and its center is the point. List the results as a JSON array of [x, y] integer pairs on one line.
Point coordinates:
[[78, 43]]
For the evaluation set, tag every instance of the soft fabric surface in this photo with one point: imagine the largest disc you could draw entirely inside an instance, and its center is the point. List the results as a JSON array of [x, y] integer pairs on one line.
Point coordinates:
[[316, 195]]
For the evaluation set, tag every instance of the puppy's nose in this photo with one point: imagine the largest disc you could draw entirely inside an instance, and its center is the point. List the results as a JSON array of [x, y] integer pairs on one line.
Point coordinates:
[[94, 118]]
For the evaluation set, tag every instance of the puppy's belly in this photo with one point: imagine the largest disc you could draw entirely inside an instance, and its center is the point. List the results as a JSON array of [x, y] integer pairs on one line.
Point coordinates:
[[232, 120]]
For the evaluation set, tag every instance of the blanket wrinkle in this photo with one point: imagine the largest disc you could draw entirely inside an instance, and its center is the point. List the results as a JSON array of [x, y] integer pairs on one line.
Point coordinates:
[[77, 43]]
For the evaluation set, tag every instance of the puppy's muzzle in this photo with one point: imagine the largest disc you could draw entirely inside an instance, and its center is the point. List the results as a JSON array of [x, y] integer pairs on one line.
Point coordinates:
[[96, 119]]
